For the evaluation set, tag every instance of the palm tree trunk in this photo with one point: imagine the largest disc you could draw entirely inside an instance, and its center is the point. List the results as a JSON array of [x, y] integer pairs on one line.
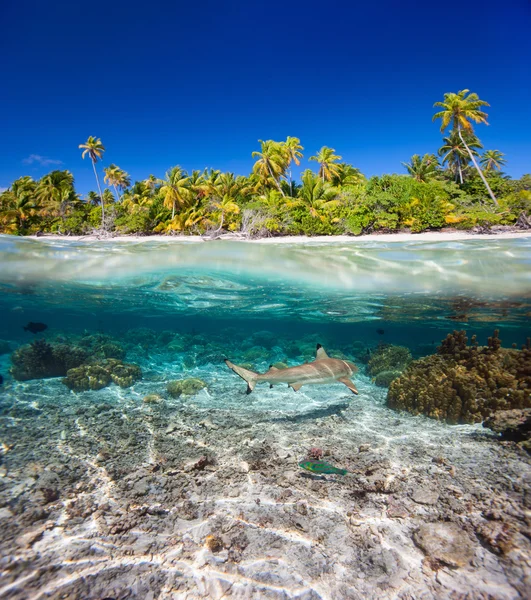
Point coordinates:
[[491, 194], [274, 179], [101, 195], [290, 184], [117, 194], [173, 212]]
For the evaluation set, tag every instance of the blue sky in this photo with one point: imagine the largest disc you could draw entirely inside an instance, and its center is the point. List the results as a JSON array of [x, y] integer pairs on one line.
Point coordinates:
[[198, 83]]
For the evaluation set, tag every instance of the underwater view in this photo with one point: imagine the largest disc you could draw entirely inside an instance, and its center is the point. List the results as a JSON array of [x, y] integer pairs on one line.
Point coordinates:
[[317, 420]]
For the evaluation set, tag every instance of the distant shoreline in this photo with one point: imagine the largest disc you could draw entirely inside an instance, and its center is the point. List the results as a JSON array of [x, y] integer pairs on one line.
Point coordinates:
[[426, 236]]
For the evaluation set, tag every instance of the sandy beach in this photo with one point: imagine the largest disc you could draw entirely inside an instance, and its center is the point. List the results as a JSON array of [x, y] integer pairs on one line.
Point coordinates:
[[428, 236]]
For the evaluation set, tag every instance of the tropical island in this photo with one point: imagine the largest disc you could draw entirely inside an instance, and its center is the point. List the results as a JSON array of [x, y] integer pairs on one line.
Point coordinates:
[[461, 185]]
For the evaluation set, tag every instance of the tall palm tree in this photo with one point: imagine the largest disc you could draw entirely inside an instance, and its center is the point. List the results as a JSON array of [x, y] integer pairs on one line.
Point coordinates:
[[152, 182], [460, 110], [454, 153], [492, 160], [327, 160], [175, 189], [270, 164], [347, 175], [292, 150], [422, 168], [95, 149], [118, 178]]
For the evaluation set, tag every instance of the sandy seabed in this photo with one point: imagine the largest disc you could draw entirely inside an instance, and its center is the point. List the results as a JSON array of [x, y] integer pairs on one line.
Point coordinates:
[[106, 496]]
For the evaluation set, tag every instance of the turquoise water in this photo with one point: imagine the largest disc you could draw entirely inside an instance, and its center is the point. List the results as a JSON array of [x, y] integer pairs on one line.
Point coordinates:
[[177, 309]]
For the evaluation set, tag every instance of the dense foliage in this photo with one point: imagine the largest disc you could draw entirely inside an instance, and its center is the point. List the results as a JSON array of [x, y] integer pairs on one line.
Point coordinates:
[[447, 188]]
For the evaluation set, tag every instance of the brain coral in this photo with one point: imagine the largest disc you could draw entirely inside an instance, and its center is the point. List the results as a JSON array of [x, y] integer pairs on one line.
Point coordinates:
[[465, 383]]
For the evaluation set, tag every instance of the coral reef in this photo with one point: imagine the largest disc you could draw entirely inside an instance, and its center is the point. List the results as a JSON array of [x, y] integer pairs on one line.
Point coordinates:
[[41, 359], [152, 399], [185, 387], [384, 378], [465, 383], [102, 346], [96, 376], [514, 425], [388, 358]]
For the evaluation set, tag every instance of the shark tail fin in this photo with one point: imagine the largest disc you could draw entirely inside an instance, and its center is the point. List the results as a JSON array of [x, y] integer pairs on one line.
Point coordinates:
[[245, 374]]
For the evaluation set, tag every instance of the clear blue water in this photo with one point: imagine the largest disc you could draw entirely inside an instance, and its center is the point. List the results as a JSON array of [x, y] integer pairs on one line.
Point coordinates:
[[416, 291], [126, 516]]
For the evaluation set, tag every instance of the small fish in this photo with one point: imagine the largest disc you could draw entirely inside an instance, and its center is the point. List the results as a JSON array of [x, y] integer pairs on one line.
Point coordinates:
[[35, 327], [321, 468], [380, 331]]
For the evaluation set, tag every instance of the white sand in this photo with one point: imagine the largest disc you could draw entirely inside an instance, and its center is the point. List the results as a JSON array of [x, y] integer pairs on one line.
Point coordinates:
[[429, 236]]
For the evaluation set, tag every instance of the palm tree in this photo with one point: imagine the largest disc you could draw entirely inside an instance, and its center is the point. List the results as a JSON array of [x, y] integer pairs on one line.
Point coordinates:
[[492, 160], [460, 110], [270, 163], [55, 193], [175, 189], [224, 206], [19, 204], [95, 149], [423, 168], [456, 155], [117, 178], [327, 163], [292, 150], [152, 182], [346, 175], [316, 194]]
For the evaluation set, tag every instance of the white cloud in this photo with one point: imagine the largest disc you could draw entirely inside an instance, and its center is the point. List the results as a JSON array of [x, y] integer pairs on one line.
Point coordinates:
[[2, 189], [41, 160]]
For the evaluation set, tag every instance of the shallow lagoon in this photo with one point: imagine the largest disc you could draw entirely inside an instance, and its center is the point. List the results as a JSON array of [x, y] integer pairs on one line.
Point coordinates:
[[106, 495]]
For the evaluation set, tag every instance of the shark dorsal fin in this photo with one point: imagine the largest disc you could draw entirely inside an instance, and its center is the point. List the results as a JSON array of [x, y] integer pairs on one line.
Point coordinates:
[[321, 353], [272, 368]]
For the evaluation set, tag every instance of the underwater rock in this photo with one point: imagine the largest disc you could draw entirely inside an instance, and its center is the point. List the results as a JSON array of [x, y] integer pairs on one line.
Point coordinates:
[[41, 359], [185, 387], [213, 543], [255, 353], [514, 425], [208, 357], [446, 543], [464, 383], [99, 375], [384, 378], [388, 358]]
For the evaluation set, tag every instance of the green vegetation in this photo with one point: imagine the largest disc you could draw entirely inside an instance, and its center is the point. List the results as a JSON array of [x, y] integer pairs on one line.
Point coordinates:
[[444, 188]]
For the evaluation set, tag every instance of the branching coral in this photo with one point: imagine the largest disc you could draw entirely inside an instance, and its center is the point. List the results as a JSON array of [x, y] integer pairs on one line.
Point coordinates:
[[41, 359], [465, 383]]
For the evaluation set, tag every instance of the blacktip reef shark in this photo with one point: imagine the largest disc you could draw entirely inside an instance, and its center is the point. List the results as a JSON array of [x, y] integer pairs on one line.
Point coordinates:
[[322, 370]]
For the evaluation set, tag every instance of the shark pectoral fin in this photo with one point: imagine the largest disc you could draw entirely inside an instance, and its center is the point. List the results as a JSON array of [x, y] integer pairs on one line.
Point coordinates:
[[349, 384], [250, 386], [295, 386], [321, 353]]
